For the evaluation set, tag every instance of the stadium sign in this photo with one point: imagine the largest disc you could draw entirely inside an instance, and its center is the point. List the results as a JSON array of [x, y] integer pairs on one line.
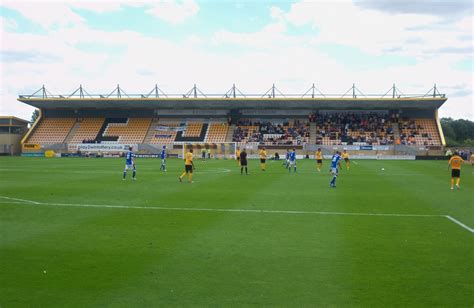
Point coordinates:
[[164, 128], [100, 147], [31, 147]]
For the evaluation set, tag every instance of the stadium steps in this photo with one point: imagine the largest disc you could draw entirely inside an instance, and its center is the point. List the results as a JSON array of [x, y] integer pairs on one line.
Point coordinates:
[[312, 133], [209, 123], [151, 131], [72, 132], [396, 130], [230, 133]]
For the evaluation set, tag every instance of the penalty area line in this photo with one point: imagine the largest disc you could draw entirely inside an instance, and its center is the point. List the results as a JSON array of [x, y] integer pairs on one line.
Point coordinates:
[[37, 203], [459, 223]]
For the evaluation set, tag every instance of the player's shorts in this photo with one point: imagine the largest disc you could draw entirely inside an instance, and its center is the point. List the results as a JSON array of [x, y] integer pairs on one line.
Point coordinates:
[[243, 163], [292, 162], [238, 157], [262, 160], [346, 159], [188, 168], [319, 161], [335, 171], [129, 167], [455, 173]]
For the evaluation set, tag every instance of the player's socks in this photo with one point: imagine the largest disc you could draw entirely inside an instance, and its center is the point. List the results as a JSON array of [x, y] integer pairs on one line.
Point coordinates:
[[457, 182], [452, 183], [246, 171], [124, 174], [133, 174], [241, 170], [190, 178]]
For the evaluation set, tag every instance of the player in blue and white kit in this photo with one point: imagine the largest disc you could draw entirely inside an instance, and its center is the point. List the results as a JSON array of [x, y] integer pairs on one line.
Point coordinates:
[[163, 156], [287, 159], [292, 161], [130, 164], [335, 165]]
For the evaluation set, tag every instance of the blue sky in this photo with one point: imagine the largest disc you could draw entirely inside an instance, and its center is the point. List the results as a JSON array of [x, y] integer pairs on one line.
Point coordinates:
[[252, 43]]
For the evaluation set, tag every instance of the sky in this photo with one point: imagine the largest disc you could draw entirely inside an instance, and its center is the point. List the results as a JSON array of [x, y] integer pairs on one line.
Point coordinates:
[[293, 44]]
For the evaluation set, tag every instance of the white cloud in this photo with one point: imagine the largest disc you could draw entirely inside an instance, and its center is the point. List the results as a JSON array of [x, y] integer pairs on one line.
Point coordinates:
[[8, 23], [174, 12], [260, 58], [97, 6], [47, 15]]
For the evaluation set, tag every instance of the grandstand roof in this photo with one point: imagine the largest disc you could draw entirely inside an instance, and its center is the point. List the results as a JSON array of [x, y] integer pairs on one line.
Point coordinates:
[[235, 99], [235, 103]]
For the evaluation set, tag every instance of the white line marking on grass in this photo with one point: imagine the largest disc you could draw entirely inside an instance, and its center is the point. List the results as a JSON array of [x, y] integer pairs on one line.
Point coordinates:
[[460, 223], [117, 171], [20, 200], [355, 162], [37, 203]]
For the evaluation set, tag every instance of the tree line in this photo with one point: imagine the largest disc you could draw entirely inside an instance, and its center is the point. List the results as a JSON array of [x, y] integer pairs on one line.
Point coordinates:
[[458, 132]]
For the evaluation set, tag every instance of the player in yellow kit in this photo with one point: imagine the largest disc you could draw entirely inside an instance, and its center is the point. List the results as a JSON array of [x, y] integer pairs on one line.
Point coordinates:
[[455, 164], [237, 156], [345, 156], [188, 166], [263, 159], [319, 159]]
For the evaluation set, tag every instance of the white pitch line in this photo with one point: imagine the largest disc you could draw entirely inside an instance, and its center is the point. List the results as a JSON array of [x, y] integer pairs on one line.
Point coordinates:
[[37, 203], [460, 223], [20, 200]]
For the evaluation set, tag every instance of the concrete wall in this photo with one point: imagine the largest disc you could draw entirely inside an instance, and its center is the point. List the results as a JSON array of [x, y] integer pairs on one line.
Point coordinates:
[[10, 144]]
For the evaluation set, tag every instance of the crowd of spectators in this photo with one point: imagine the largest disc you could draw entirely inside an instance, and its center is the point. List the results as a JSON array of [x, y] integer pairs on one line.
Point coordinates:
[[409, 130], [266, 132], [350, 128]]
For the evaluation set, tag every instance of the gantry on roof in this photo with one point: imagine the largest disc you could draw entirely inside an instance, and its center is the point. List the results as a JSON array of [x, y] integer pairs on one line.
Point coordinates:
[[234, 98]]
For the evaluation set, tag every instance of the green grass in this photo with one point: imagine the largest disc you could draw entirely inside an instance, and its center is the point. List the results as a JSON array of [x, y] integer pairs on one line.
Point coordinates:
[[99, 256]]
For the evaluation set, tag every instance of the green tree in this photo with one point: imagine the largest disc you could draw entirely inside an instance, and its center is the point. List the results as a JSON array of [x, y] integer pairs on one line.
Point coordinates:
[[35, 115], [458, 132]]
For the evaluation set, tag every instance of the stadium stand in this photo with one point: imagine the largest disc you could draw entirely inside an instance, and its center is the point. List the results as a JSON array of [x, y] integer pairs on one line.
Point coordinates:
[[273, 132], [52, 130], [88, 130], [217, 132], [133, 131], [390, 124], [193, 129], [353, 128], [419, 131], [164, 136]]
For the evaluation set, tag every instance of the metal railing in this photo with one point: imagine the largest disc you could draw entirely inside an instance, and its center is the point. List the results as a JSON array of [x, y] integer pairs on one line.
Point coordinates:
[[233, 93]]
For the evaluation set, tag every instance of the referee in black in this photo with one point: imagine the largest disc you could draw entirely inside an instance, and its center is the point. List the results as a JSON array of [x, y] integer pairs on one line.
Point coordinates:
[[243, 162]]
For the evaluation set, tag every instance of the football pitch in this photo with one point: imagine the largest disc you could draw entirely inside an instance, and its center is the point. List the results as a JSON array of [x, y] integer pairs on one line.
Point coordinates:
[[72, 233]]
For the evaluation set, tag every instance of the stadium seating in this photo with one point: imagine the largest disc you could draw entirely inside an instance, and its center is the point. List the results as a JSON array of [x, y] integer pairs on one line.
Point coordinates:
[[217, 132], [131, 132], [419, 131], [349, 128], [88, 130], [52, 130], [165, 136], [328, 129], [193, 129], [276, 132]]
